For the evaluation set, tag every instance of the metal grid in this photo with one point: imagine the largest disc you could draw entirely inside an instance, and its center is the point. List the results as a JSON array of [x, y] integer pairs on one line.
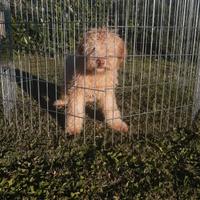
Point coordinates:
[[158, 83]]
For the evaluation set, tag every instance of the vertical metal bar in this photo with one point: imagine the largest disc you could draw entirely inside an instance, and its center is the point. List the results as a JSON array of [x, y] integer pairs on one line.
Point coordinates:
[[84, 30], [165, 66], [15, 99], [56, 52], [115, 13], [66, 52], [187, 55], [150, 66], [195, 46], [196, 96], [142, 65], [124, 64], [106, 78], [173, 56], [180, 60], [95, 92], [36, 20], [135, 28], [53, 26], [45, 42], [158, 70], [28, 75]]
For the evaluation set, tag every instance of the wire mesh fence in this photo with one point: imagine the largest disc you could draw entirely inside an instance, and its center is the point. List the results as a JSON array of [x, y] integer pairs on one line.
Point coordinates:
[[158, 82]]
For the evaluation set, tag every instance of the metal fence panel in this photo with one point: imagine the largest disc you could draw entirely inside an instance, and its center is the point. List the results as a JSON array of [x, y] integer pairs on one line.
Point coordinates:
[[158, 86]]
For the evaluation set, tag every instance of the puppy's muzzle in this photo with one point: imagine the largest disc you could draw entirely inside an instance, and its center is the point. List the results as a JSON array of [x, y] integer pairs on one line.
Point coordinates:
[[101, 63]]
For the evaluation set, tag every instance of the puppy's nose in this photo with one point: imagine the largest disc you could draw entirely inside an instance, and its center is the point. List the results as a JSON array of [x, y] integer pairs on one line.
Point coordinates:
[[100, 62]]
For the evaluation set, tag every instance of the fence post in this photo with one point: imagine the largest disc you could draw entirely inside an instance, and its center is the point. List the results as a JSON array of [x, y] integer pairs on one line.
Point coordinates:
[[196, 98], [2, 25], [7, 71]]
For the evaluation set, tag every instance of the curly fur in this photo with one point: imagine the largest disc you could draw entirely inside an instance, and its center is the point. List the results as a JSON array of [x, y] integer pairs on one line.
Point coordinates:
[[93, 76]]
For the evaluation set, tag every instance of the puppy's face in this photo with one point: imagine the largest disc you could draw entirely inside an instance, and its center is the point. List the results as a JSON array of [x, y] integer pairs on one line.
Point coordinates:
[[102, 51]]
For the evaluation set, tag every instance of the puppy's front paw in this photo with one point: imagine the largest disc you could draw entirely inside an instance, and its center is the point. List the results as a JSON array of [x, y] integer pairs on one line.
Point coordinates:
[[72, 130], [119, 125]]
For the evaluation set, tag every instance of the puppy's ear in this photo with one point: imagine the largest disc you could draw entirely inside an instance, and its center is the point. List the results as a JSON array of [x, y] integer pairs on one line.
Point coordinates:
[[122, 53], [80, 49]]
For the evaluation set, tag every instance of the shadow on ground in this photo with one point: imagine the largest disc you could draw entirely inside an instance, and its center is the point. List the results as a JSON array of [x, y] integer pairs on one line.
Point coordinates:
[[41, 91]]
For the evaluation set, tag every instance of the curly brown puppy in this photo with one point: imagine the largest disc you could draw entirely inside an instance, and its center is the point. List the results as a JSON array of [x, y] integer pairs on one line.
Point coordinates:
[[93, 77]]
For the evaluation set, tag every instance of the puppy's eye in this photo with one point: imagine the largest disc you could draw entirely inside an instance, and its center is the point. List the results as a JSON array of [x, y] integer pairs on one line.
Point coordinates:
[[91, 52]]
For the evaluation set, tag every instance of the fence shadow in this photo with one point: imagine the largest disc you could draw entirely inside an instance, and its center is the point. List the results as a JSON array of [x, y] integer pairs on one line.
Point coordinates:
[[44, 93]]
